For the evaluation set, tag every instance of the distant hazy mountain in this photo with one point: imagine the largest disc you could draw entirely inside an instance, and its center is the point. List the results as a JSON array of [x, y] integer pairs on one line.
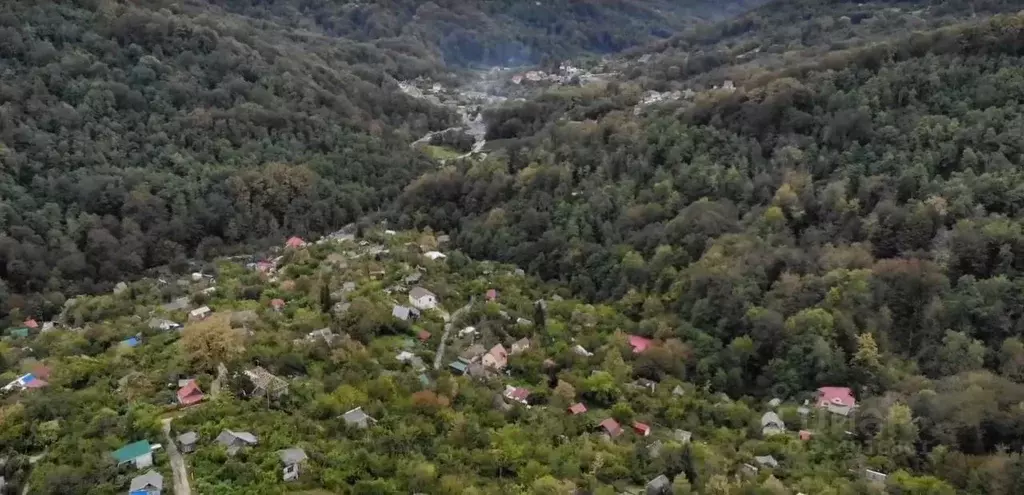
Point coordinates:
[[496, 32]]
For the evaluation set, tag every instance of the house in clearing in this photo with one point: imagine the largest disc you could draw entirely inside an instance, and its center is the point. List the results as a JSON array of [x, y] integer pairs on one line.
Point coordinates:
[[422, 299]]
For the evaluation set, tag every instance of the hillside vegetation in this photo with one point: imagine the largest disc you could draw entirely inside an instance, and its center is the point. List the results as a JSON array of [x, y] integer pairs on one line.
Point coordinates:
[[336, 346], [132, 137], [848, 218], [504, 32]]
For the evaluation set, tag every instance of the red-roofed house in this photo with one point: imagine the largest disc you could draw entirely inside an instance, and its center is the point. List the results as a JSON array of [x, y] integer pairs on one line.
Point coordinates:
[[492, 294], [639, 344], [277, 304], [42, 371], [805, 435], [423, 335], [37, 383], [518, 394], [30, 323], [295, 243], [190, 394], [836, 396], [611, 427], [641, 429], [577, 409], [496, 358]]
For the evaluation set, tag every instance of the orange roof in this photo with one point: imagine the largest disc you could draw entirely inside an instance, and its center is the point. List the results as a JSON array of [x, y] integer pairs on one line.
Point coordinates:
[[295, 242], [641, 428], [277, 303], [31, 323], [611, 427], [190, 393], [577, 408], [805, 435], [639, 344], [423, 335], [40, 370]]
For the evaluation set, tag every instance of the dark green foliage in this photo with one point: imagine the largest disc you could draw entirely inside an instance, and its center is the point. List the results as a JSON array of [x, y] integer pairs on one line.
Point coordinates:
[[133, 138], [487, 32]]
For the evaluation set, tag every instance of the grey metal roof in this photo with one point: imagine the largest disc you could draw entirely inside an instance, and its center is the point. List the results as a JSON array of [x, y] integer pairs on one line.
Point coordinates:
[[400, 312], [771, 418], [292, 455], [418, 292], [358, 417], [188, 438], [660, 483], [229, 437], [151, 479]]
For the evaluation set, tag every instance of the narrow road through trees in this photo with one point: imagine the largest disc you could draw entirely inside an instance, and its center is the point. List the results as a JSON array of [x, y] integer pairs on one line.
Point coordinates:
[[178, 467], [449, 321]]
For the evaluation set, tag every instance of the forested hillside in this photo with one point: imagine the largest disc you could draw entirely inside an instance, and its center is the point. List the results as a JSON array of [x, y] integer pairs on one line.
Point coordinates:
[[133, 137], [504, 32], [142, 134], [852, 217], [509, 386]]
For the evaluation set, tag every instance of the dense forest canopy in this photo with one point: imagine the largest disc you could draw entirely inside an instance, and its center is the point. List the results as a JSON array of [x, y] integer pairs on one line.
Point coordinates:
[[848, 218], [810, 196], [133, 138], [501, 32]]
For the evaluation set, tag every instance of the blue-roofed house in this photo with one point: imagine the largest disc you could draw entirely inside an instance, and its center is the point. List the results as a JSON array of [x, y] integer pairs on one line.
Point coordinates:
[[130, 342]]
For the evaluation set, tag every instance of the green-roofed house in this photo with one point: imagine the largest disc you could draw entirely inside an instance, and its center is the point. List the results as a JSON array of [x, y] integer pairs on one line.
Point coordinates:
[[21, 332], [139, 453]]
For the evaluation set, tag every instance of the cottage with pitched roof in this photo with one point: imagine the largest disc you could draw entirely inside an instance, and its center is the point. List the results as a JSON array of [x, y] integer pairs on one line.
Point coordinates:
[[187, 442], [771, 424], [190, 394], [422, 298], [356, 417], [610, 427], [140, 454], [521, 345], [292, 458], [496, 358], [236, 440], [151, 483]]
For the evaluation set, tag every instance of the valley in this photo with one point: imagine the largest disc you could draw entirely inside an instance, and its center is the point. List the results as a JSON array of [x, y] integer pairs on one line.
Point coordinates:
[[459, 248]]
